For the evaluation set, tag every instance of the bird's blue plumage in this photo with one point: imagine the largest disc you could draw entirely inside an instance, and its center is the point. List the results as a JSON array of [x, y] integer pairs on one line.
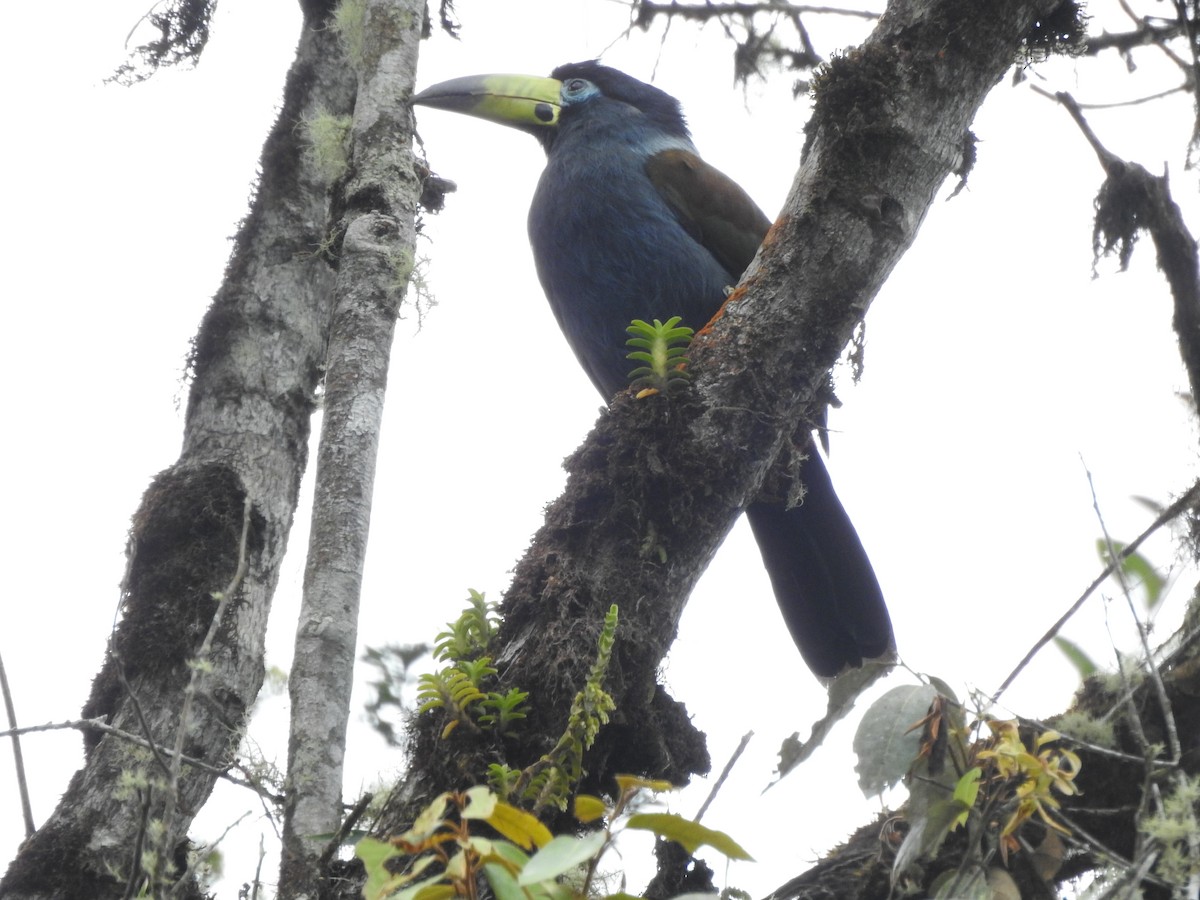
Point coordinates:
[[629, 223], [608, 249], [611, 246]]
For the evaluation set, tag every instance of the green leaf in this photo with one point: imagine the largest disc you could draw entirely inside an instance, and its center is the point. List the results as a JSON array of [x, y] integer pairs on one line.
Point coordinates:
[[374, 855], [966, 791], [1075, 654], [943, 689], [519, 826], [1137, 570], [561, 855], [456, 865], [510, 854], [429, 821], [637, 783], [381, 883], [505, 878], [503, 882], [481, 803], [884, 744], [588, 808], [661, 347], [926, 834], [430, 889], [688, 834]]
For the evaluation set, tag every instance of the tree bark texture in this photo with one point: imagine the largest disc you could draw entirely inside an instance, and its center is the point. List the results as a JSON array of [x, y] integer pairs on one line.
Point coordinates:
[[375, 260], [256, 362], [659, 482]]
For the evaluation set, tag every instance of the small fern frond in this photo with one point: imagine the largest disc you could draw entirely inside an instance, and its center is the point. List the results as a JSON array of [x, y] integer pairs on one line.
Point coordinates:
[[450, 689], [505, 709], [476, 670], [661, 348], [470, 633]]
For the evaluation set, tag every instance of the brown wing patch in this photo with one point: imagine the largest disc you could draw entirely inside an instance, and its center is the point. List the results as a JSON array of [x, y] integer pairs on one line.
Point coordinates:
[[711, 206]]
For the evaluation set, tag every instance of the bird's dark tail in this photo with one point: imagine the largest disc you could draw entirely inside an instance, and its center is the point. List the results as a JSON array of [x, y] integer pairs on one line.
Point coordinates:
[[822, 577]]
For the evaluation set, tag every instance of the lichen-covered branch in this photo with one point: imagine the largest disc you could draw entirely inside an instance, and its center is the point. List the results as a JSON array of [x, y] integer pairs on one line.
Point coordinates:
[[377, 205], [256, 363]]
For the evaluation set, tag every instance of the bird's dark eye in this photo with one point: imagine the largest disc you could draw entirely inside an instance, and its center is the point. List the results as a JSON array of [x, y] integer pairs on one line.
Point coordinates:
[[575, 86]]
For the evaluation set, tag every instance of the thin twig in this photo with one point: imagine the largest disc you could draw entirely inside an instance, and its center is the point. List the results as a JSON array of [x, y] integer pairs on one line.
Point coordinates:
[[1091, 747], [1147, 34], [1171, 512], [1133, 722], [135, 864], [1189, 30], [194, 857], [1150, 791], [1130, 878], [352, 817], [18, 759], [1117, 104], [1107, 158], [1147, 653], [268, 813], [155, 750], [712, 795], [646, 10], [146, 15], [262, 854], [1159, 41], [1114, 860], [104, 728]]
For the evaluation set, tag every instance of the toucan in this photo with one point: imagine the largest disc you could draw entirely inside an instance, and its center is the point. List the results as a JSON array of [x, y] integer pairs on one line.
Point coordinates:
[[628, 222]]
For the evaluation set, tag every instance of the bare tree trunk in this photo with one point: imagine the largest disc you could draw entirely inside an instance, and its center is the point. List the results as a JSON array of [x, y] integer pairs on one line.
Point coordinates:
[[257, 361], [375, 260]]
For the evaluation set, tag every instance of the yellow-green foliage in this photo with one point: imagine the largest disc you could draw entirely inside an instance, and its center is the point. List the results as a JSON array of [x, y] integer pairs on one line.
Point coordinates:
[[660, 349], [1084, 729], [403, 267], [468, 635], [458, 689], [1176, 829], [552, 779], [327, 144], [460, 693], [408, 271], [442, 857], [349, 23], [1034, 778], [1128, 675]]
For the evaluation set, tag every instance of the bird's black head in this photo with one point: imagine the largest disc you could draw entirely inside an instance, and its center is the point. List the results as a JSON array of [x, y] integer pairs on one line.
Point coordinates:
[[583, 82]]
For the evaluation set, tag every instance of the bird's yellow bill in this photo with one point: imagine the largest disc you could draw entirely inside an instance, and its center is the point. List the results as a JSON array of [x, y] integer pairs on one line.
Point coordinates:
[[522, 101]]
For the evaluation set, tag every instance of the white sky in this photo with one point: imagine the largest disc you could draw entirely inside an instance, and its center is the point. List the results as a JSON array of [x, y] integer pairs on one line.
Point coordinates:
[[996, 369]]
